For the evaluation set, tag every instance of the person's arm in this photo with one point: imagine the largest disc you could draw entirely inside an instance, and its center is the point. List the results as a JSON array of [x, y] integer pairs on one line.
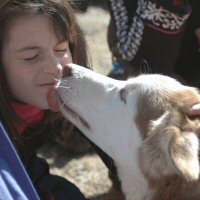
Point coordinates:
[[15, 182], [197, 33]]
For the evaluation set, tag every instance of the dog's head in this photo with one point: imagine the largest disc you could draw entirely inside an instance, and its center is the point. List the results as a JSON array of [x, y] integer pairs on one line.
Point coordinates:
[[170, 144], [142, 120]]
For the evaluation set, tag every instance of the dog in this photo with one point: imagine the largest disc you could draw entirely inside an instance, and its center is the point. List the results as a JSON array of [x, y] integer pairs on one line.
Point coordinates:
[[142, 124]]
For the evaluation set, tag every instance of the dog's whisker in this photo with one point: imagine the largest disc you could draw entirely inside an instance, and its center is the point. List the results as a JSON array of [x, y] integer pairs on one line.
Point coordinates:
[[66, 87], [56, 79], [64, 81], [144, 67]]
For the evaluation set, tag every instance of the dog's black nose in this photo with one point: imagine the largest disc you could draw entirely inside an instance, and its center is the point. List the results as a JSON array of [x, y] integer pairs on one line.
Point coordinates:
[[66, 71]]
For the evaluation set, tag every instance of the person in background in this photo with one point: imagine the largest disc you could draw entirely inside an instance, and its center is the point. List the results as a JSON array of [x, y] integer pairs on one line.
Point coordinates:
[[37, 40], [187, 64], [148, 36]]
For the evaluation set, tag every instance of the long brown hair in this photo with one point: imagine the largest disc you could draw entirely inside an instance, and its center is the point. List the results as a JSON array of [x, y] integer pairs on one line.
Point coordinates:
[[63, 17]]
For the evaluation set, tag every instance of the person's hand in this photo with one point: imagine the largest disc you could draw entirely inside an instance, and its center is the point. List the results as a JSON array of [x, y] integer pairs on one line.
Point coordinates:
[[194, 111], [197, 33]]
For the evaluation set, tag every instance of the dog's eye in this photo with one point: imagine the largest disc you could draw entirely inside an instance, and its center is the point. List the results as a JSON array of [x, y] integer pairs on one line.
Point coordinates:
[[123, 94]]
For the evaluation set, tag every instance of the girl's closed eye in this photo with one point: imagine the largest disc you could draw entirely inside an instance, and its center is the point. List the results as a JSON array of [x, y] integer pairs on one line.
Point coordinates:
[[28, 53], [62, 47], [62, 51], [30, 58]]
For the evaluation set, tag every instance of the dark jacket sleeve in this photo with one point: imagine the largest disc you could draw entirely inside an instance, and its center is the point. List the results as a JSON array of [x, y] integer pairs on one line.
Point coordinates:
[[188, 61], [163, 24]]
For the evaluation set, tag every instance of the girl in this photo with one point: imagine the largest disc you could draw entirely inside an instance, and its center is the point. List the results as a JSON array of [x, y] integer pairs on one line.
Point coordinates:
[[37, 40]]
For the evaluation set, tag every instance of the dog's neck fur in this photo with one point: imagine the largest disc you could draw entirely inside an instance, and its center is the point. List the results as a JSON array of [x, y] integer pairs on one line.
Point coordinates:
[[131, 176], [115, 116]]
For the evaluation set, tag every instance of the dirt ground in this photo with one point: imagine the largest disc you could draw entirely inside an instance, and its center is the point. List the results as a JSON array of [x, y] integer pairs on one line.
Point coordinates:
[[94, 24], [86, 170]]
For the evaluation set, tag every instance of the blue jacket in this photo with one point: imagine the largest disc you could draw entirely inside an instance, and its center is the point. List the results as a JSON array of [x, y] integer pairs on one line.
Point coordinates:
[[14, 181]]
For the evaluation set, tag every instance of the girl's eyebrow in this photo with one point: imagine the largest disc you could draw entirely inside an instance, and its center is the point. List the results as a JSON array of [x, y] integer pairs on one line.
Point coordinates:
[[27, 48]]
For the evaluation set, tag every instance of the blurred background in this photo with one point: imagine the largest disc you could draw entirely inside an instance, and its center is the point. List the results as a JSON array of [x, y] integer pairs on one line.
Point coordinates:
[[71, 156], [93, 18]]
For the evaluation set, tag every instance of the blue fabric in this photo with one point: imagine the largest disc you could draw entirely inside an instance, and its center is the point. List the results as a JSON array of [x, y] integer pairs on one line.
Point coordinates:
[[14, 181]]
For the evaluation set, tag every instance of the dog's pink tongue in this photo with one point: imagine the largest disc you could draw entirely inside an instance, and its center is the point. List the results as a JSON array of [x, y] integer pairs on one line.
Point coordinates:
[[53, 100]]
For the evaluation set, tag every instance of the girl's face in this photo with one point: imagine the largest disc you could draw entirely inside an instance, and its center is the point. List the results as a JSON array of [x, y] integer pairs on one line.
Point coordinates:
[[33, 59]]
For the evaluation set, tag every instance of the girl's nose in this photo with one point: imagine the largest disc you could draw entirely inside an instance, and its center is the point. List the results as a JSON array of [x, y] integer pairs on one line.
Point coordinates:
[[53, 68], [57, 67]]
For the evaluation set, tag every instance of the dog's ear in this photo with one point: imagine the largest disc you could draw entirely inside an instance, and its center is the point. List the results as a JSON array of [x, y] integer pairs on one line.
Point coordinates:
[[183, 150], [170, 149]]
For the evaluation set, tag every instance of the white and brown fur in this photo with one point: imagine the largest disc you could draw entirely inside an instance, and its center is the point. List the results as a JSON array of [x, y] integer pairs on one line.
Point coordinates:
[[142, 124]]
